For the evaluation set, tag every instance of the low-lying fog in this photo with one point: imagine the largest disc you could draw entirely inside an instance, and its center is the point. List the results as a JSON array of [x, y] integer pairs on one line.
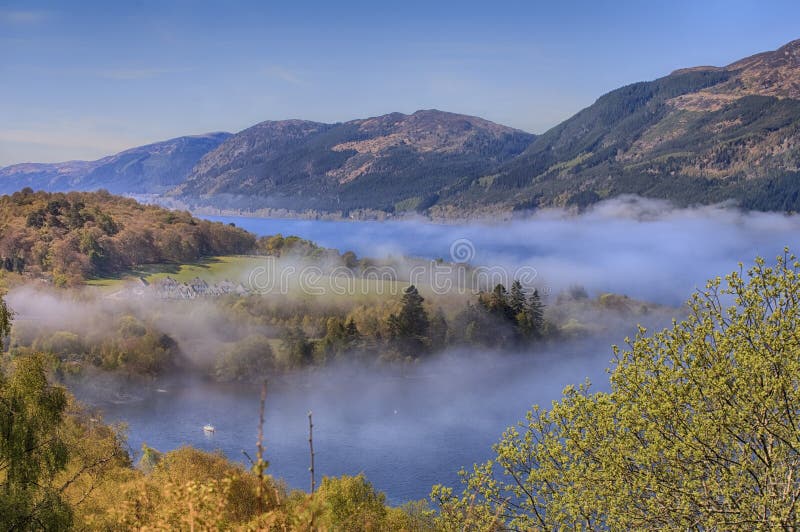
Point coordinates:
[[643, 248], [405, 429], [410, 428]]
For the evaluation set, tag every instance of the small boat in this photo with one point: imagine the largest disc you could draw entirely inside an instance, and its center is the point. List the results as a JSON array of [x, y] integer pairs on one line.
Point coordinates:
[[208, 428]]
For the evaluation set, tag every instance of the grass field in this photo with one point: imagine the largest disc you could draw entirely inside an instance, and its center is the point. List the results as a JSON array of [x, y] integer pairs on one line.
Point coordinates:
[[291, 280], [214, 269]]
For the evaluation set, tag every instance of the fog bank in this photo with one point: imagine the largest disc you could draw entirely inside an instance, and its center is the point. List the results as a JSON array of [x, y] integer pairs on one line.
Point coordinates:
[[644, 248]]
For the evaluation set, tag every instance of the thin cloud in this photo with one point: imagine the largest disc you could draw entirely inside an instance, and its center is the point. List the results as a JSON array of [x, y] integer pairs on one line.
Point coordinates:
[[129, 74], [42, 145], [23, 16], [284, 74]]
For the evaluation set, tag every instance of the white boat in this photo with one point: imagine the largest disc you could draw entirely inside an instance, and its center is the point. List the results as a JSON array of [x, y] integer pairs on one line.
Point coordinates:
[[208, 428]]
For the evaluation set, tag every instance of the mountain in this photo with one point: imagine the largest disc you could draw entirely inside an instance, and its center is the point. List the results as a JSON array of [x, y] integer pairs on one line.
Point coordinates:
[[154, 168], [698, 135], [390, 162]]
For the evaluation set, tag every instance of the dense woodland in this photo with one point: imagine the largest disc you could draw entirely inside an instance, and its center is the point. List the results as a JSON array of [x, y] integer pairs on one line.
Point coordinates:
[[70, 237], [698, 431]]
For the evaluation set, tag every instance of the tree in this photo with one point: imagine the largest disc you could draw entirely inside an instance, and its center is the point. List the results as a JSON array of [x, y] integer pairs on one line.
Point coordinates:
[[248, 359], [536, 313], [337, 338], [350, 503], [32, 451], [698, 431], [409, 328], [497, 303], [352, 337], [6, 315], [297, 348], [516, 299]]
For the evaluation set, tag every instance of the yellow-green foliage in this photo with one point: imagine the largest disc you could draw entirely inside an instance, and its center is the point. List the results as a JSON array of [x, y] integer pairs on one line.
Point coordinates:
[[351, 503], [699, 430], [190, 489], [185, 487]]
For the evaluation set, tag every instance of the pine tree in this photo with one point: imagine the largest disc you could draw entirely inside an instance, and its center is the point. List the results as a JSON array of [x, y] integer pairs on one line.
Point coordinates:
[[413, 317], [409, 328], [517, 299], [536, 311], [498, 304]]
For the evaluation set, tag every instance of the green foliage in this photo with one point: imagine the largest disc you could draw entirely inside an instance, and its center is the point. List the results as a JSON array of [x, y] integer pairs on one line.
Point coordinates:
[[150, 458], [501, 319], [249, 359], [698, 430], [297, 349], [340, 338], [350, 503], [6, 316], [32, 451]]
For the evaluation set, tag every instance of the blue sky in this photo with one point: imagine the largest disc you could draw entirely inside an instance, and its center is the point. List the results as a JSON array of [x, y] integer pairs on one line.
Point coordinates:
[[79, 80]]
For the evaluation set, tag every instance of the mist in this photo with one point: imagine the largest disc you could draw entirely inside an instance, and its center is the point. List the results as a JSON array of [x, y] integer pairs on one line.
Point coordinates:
[[406, 428], [410, 426], [647, 249]]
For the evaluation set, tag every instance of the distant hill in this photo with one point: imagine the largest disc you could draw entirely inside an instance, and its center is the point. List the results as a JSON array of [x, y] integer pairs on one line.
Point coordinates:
[[698, 135], [389, 162], [154, 168]]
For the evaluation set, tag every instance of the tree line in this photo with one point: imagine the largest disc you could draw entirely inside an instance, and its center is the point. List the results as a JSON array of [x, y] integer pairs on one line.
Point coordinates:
[[406, 330]]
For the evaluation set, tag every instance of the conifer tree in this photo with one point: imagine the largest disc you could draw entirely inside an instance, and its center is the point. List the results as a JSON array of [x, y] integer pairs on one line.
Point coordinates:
[[516, 298], [536, 311], [409, 328]]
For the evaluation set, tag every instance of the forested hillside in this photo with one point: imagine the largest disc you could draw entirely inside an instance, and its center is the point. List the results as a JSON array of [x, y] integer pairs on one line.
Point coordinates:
[[699, 135], [390, 162], [71, 236]]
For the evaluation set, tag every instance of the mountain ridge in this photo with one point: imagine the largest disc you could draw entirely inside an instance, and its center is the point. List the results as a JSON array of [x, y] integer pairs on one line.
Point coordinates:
[[376, 162], [151, 168], [698, 135]]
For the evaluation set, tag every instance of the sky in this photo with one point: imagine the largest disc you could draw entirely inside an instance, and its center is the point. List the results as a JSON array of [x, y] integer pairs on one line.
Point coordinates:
[[80, 80]]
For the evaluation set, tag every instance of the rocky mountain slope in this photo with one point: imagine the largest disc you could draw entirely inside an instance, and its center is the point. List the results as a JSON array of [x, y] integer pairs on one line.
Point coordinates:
[[389, 162], [154, 168], [698, 135]]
